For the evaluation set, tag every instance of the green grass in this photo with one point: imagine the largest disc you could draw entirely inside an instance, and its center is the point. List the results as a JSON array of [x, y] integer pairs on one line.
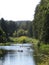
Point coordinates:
[[5, 44], [22, 39], [41, 54]]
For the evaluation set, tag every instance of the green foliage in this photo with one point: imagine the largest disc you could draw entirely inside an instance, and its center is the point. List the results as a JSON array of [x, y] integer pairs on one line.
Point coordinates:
[[42, 54], [22, 39], [35, 41], [41, 21], [15, 28], [2, 36], [5, 44], [30, 30], [22, 32], [15, 34]]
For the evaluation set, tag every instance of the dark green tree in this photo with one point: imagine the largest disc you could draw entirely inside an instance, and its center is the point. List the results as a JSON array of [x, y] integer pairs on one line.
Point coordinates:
[[4, 27], [41, 21], [30, 30], [2, 36]]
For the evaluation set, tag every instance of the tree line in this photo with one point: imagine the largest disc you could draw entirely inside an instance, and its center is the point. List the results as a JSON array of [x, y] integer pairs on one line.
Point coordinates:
[[38, 28], [41, 21], [14, 29]]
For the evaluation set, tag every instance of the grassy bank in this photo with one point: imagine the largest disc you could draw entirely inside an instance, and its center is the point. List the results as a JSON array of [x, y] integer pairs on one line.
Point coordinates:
[[5, 44], [41, 54], [22, 39]]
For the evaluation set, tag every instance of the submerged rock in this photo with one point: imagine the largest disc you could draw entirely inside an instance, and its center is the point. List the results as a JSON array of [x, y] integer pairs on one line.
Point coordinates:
[[20, 50]]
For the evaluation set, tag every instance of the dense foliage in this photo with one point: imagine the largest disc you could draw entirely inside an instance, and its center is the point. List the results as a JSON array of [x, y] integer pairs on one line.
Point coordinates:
[[14, 29], [2, 36], [41, 21], [39, 28]]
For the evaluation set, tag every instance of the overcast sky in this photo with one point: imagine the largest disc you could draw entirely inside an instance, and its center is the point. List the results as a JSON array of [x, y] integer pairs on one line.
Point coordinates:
[[17, 9]]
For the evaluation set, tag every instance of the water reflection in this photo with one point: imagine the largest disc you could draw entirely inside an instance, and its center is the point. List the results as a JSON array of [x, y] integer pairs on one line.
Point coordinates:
[[17, 57]]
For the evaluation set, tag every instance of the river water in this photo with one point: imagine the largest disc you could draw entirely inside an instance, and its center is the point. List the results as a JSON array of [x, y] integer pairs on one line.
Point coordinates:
[[18, 54]]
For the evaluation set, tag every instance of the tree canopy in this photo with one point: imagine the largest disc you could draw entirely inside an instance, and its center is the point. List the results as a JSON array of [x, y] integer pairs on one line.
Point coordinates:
[[41, 21]]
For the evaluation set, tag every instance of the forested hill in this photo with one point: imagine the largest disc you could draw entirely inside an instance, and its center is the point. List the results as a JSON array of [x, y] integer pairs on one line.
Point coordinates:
[[41, 21], [14, 29]]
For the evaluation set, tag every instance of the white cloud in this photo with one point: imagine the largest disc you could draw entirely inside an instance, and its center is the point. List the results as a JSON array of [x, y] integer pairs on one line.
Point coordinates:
[[17, 9]]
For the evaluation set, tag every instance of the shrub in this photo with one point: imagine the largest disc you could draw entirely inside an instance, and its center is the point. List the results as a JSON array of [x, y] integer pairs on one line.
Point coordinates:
[[22, 32], [22, 39]]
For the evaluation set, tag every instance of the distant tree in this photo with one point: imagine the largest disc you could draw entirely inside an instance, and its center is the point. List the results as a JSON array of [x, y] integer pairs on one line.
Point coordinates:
[[15, 34], [12, 27], [2, 36], [30, 30], [4, 27], [22, 32]]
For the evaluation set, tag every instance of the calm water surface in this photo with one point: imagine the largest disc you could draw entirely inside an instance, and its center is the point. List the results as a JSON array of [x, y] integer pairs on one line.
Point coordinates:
[[18, 54]]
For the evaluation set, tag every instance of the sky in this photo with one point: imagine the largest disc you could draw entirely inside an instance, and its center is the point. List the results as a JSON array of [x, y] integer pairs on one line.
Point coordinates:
[[18, 9]]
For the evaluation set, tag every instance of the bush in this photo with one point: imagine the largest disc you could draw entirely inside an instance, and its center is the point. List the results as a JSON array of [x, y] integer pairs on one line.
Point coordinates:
[[15, 34], [22, 32], [22, 39]]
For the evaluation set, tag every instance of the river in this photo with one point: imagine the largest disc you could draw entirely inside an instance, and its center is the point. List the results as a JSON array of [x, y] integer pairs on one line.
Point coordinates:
[[17, 54]]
